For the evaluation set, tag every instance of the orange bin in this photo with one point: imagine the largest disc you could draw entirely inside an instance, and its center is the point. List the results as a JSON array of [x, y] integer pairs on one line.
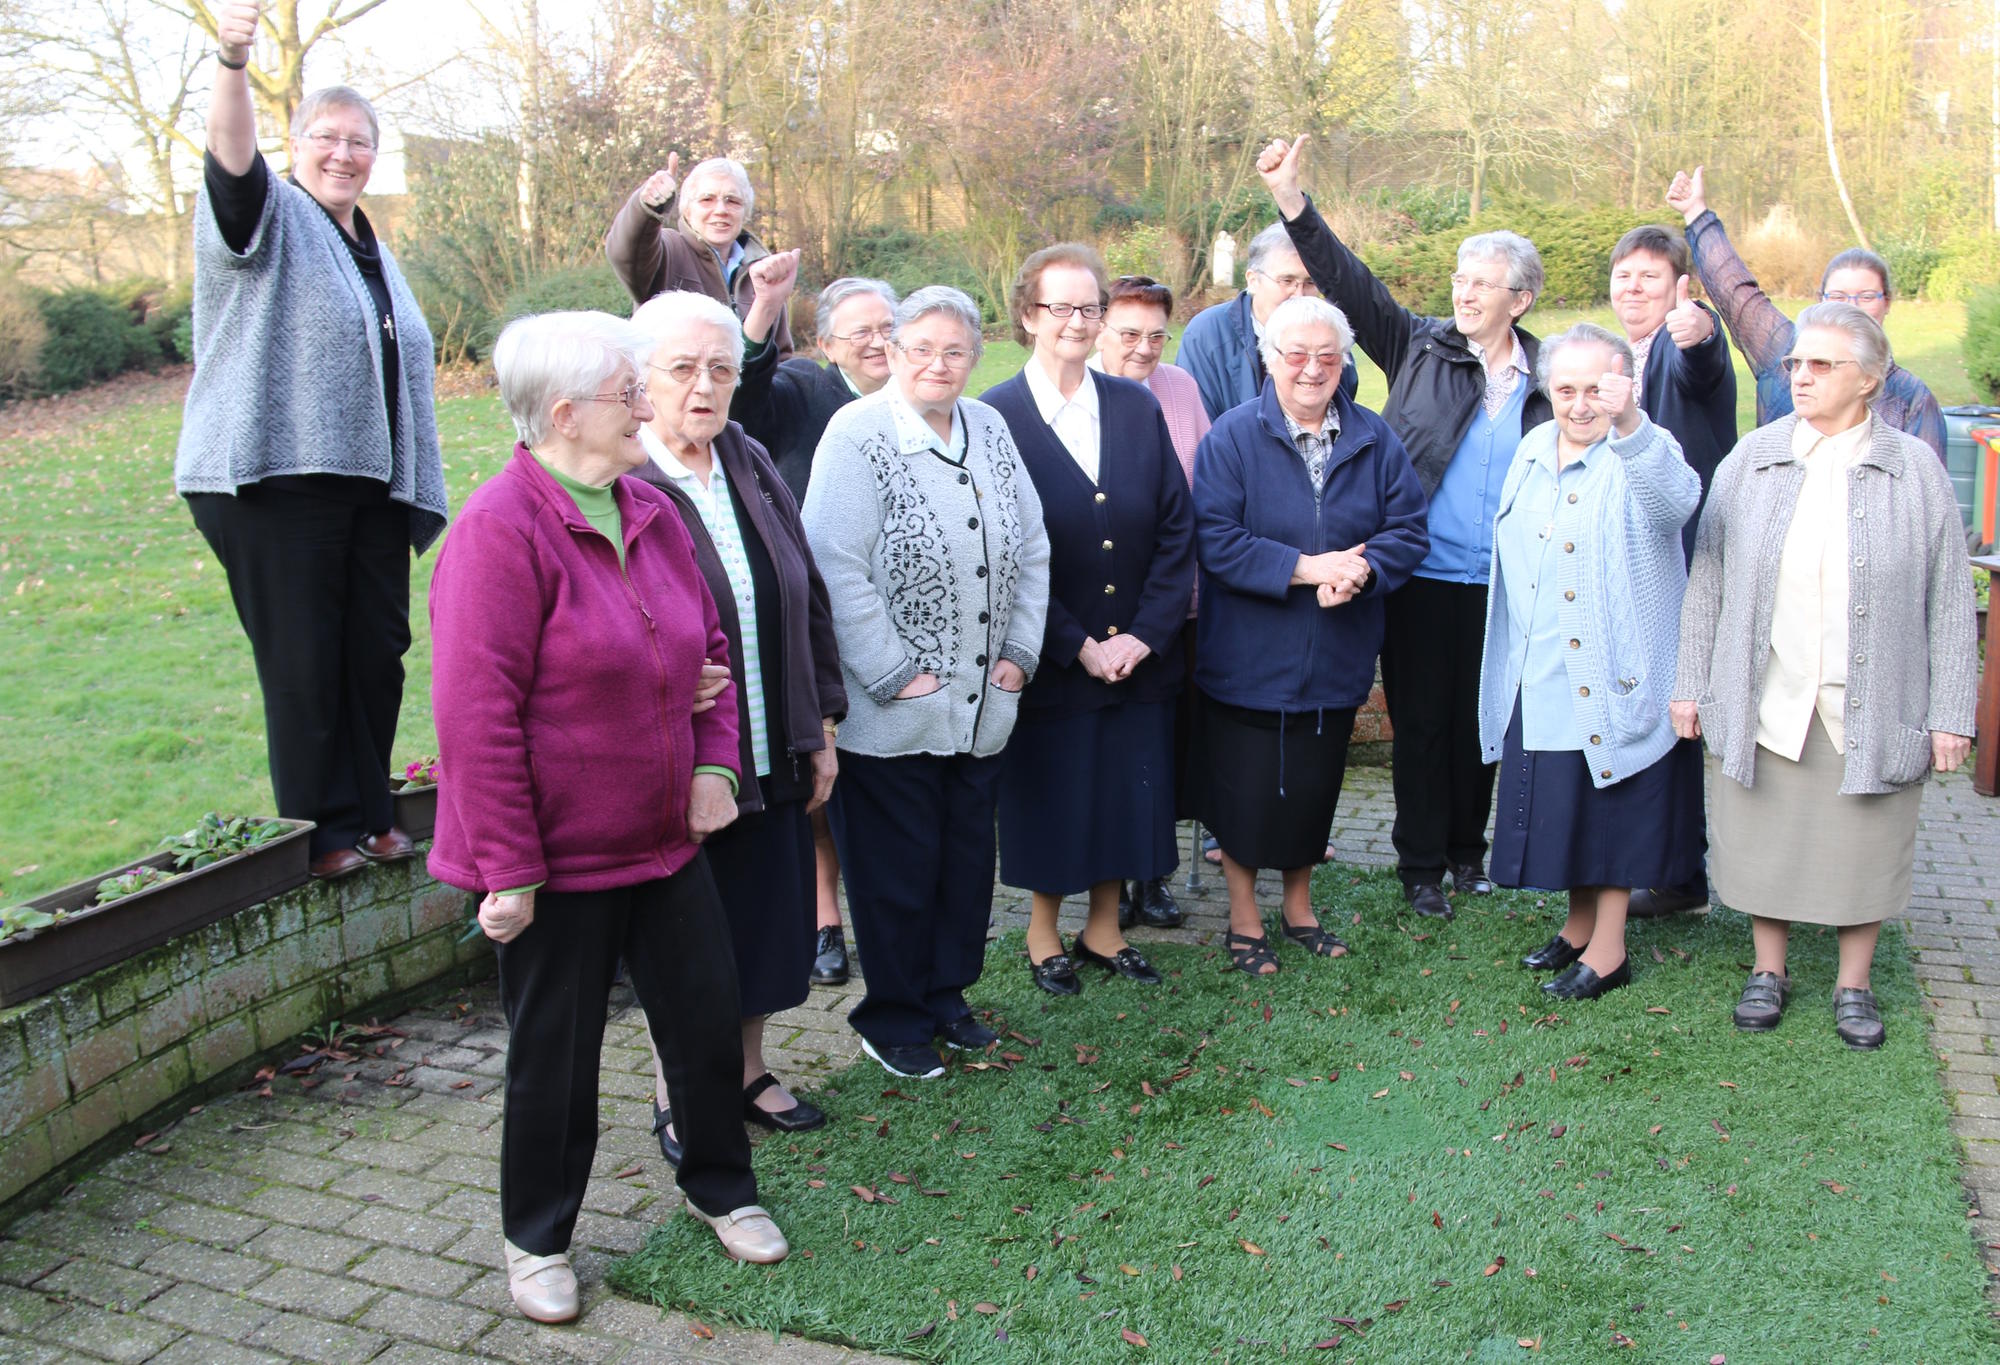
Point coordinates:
[[1987, 485]]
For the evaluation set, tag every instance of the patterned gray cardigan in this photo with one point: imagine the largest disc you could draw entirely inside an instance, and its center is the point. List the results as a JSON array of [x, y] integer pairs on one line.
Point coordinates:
[[288, 365], [1912, 665], [931, 567]]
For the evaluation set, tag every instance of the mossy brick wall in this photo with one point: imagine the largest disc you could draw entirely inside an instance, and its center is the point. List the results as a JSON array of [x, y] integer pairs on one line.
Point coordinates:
[[92, 1058]]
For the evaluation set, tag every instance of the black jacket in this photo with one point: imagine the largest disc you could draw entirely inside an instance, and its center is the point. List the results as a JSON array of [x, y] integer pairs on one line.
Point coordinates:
[[809, 666], [1436, 383], [1121, 552], [785, 407], [1692, 394]]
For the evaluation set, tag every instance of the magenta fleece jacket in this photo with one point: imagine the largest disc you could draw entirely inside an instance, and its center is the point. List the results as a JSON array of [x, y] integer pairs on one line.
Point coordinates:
[[562, 689]]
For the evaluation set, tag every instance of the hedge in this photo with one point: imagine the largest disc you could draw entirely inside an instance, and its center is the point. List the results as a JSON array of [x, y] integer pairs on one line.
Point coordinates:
[[1981, 346]]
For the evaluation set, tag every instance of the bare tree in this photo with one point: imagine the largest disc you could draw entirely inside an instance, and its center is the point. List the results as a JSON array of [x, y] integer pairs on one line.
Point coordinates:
[[278, 64]]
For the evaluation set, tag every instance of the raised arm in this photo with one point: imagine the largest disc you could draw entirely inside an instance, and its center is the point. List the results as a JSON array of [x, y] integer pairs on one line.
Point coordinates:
[[633, 242], [232, 120], [1763, 333]]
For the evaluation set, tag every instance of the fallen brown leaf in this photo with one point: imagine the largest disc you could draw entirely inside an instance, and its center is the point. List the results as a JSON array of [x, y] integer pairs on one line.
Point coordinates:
[[1250, 1247], [1132, 1338]]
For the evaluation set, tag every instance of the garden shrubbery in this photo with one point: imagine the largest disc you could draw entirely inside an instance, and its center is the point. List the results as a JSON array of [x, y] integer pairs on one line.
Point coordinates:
[[1982, 341], [1575, 245], [52, 341]]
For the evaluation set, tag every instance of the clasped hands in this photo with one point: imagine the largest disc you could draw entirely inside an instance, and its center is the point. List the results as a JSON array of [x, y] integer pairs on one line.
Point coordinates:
[[1113, 658], [1337, 575]]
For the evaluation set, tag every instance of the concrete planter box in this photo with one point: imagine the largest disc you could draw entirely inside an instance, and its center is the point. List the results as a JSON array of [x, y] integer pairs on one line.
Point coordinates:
[[416, 808], [96, 936]]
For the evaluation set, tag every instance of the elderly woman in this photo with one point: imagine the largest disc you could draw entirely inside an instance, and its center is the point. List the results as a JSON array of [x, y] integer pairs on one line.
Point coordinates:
[[569, 623], [753, 556], [1583, 618], [309, 451], [1827, 656], [675, 234], [1087, 794], [1765, 335], [1130, 345], [1307, 514], [929, 533], [1461, 395]]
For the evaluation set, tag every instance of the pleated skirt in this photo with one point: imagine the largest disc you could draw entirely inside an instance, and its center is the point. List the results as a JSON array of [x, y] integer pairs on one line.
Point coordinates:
[[1088, 797]]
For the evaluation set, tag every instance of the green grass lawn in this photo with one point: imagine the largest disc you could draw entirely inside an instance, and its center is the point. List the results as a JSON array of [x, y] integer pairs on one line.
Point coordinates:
[[1407, 1155], [128, 703]]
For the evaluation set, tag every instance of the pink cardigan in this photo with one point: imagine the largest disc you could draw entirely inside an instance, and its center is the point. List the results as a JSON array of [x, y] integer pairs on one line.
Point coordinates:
[[562, 688], [1187, 423]]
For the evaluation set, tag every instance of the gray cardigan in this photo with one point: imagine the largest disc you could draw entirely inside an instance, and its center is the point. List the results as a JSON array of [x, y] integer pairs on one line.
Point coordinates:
[[1912, 666], [1621, 577], [287, 360], [931, 568]]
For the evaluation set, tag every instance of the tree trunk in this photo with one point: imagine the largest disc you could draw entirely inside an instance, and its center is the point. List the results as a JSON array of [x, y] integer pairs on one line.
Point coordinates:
[[1833, 151]]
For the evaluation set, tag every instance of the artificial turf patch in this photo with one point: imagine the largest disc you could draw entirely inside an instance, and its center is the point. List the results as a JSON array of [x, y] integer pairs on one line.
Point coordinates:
[[1405, 1155]]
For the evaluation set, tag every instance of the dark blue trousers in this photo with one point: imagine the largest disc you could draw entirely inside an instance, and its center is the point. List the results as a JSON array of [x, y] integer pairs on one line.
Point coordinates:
[[915, 835]]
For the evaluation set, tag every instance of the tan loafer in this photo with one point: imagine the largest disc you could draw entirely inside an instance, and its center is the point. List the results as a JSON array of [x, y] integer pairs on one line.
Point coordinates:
[[544, 1287], [748, 1234]]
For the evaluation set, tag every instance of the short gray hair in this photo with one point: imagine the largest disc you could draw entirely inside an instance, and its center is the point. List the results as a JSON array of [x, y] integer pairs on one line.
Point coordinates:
[[1583, 334], [546, 357], [1523, 262], [723, 168], [334, 97], [1303, 310], [840, 291], [1865, 337], [664, 315], [1272, 239], [941, 298]]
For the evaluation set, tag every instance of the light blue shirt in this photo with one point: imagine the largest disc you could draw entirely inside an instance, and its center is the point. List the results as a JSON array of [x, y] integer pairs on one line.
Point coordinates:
[[1462, 509], [1524, 536]]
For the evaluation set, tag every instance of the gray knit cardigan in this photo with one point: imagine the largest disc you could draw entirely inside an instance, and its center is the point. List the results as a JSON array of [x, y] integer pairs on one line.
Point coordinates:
[[288, 365], [1912, 666], [931, 568]]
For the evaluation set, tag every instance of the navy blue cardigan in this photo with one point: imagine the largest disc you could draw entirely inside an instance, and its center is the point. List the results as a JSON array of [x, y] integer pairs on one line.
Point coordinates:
[[1692, 394], [1121, 550], [1265, 644]]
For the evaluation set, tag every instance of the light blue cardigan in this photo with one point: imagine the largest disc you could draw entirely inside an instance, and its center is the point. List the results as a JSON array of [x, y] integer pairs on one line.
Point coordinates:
[[1620, 567]]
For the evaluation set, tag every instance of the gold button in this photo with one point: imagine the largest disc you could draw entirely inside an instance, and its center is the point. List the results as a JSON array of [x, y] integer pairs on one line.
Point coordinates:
[[1107, 544], [1572, 497], [1605, 774], [1575, 644], [1111, 630], [1597, 739], [1110, 588], [1569, 547], [1100, 497], [1569, 596], [1583, 691]]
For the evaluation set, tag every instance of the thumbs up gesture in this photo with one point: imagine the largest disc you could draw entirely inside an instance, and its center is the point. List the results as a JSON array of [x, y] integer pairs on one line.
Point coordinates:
[[1688, 323], [1617, 398], [661, 185], [1688, 194], [236, 28], [1278, 164]]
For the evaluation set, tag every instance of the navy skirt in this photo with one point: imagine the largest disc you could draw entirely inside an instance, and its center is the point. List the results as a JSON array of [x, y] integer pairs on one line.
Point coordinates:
[[1554, 830], [1088, 797], [763, 867]]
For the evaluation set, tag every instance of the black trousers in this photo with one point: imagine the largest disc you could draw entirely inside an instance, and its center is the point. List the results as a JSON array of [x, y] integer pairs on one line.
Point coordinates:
[[555, 978], [322, 587], [915, 835], [1430, 679]]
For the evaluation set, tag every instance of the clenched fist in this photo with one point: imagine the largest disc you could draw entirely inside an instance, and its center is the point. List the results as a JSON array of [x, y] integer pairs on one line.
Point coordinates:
[[236, 28]]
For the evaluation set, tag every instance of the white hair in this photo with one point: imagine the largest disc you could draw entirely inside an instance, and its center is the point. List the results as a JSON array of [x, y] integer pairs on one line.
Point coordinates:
[[1584, 334], [1866, 340], [1266, 244], [1303, 310], [941, 298], [547, 357], [335, 97], [722, 168], [1523, 263], [840, 291], [665, 316]]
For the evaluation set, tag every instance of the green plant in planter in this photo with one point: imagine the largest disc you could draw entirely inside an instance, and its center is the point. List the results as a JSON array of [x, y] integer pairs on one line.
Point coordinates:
[[422, 772], [220, 836], [19, 919], [125, 883]]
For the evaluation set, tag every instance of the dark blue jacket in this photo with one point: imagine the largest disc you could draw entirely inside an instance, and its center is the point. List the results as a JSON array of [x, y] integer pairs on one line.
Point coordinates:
[[1265, 644], [1219, 348], [1121, 551], [1692, 394]]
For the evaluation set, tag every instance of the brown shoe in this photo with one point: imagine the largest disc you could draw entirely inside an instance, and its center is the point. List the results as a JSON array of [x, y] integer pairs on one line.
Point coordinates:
[[336, 863], [391, 845]]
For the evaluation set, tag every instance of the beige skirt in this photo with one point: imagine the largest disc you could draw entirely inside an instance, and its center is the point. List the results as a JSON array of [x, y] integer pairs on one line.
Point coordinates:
[[1793, 848]]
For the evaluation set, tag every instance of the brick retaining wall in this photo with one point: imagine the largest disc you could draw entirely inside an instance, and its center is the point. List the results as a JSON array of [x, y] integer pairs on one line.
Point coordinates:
[[94, 1058]]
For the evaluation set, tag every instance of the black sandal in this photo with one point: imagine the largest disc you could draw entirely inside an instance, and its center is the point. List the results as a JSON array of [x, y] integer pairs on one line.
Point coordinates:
[[1314, 939], [1249, 953]]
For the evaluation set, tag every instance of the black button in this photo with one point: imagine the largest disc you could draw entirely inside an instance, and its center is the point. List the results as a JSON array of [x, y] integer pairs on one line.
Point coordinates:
[[974, 698], [979, 572], [981, 661], [965, 478], [972, 523], [982, 618]]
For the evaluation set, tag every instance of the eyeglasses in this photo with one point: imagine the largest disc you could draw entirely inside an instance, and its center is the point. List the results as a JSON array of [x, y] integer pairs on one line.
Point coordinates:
[[1473, 286], [861, 336], [687, 371], [922, 356], [1136, 339], [629, 395], [1092, 311], [1790, 364], [1295, 284], [1298, 360], [356, 146], [1858, 297]]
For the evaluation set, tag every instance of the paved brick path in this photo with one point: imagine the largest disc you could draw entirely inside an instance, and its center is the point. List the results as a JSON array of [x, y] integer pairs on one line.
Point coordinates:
[[358, 1220]]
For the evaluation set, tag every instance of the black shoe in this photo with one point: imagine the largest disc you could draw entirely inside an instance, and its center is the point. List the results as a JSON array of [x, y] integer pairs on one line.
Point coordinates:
[[1581, 983], [1654, 902], [911, 1062], [802, 1115], [1126, 962], [1126, 895], [670, 1146], [1156, 908], [967, 1034], [1471, 878], [1427, 898], [1856, 1019], [1762, 1003], [830, 958], [1552, 956], [1056, 975]]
